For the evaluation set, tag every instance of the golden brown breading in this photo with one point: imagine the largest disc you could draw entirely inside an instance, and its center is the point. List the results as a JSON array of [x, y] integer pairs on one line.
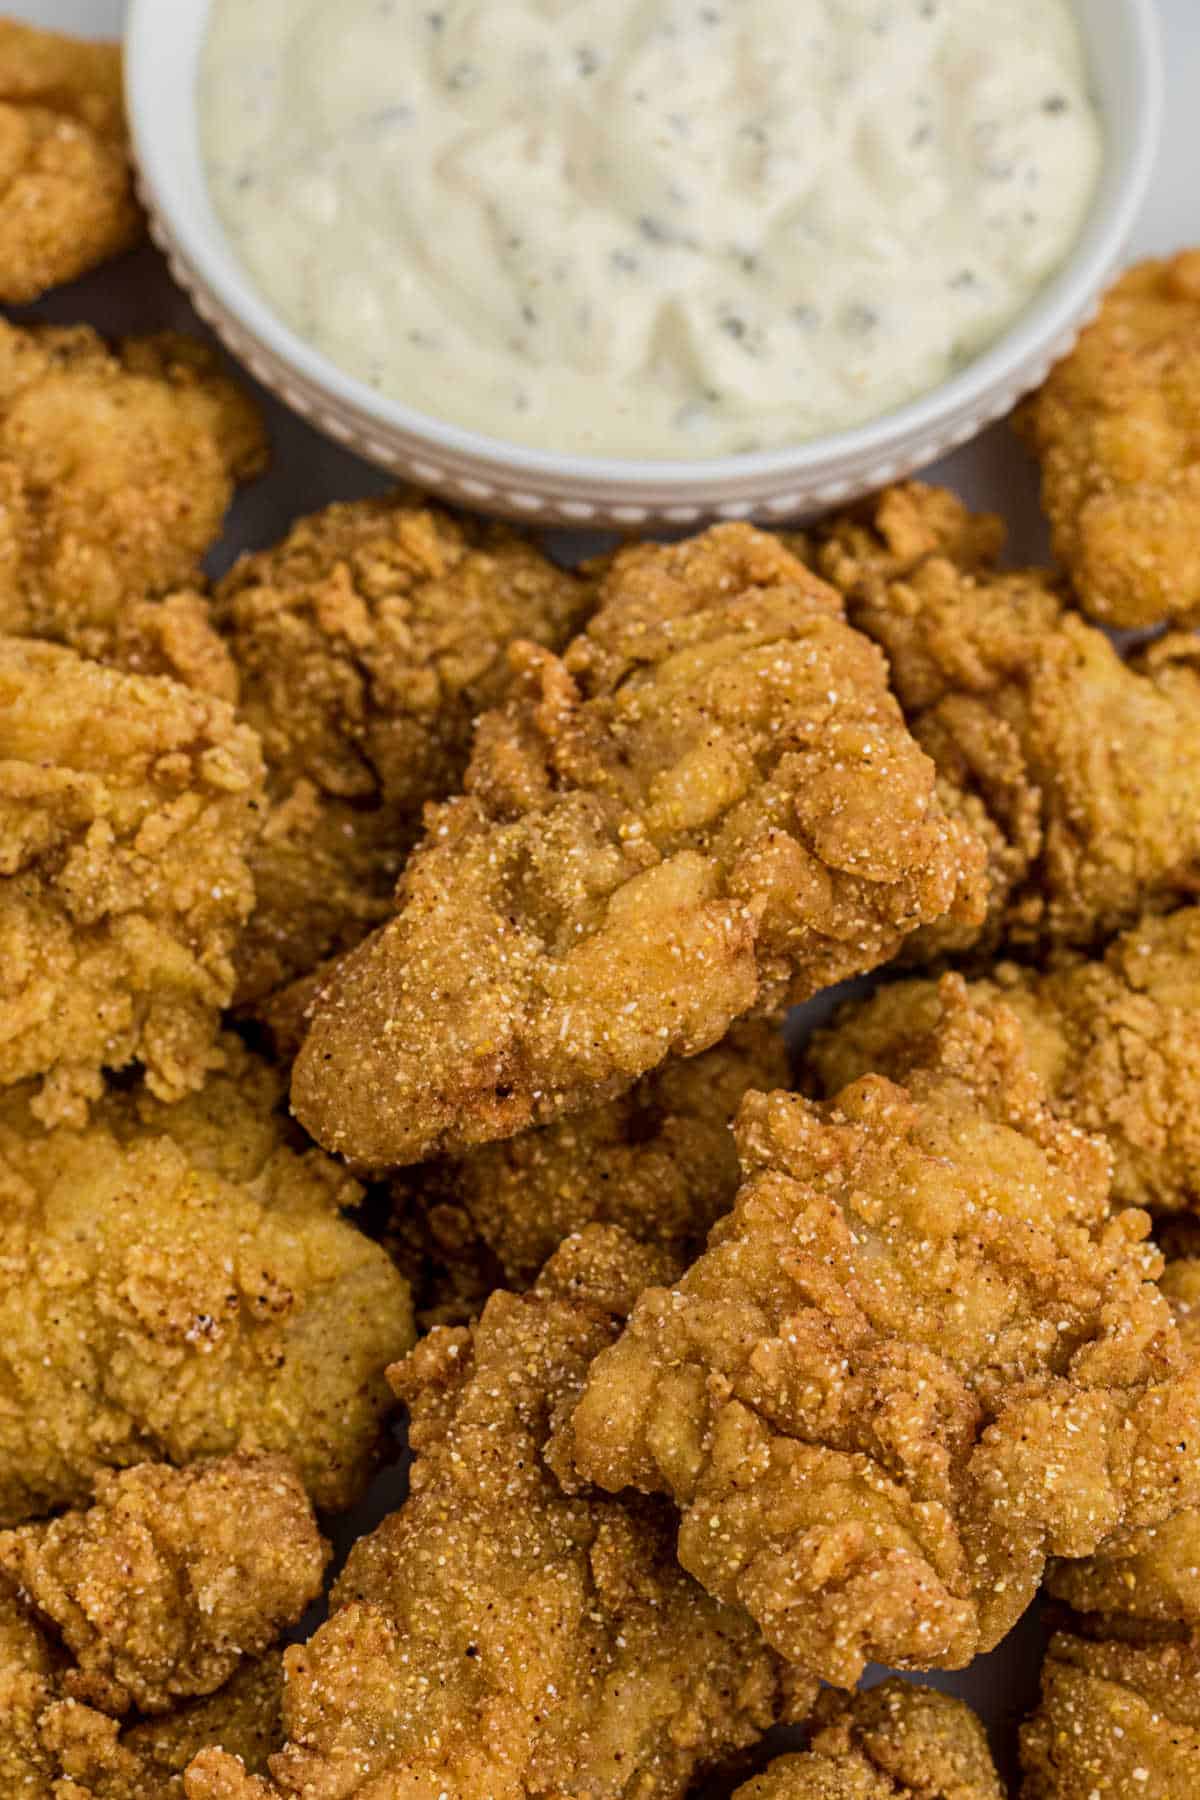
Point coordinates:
[[116, 467], [919, 1356], [174, 636], [1005, 688], [1116, 1719], [895, 1742], [1145, 1584], [660, 1162], [709, 807], [1116, 429], [179, 1282], [66, 192], [496, 1638], [56, 1749], [1115, 1040], [367, 642], [128, 806], [171, 1579]]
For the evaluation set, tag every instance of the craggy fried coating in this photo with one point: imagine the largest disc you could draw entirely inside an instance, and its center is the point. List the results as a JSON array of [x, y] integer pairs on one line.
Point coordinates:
[[128, 806], [171, 1579], [919, 1356], [496, 1638], [660, 1162], [367, 642], [1116, 429], [116, 468], [180, 1282], [1116, 1042], [56, 1749], [709, 807], [1087, 827], [66, 193], [1145, 1583], [1116, 1719], [895, 1742]]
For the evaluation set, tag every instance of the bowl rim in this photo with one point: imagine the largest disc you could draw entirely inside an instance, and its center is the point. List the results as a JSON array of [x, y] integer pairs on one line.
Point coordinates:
[[1054, 311]]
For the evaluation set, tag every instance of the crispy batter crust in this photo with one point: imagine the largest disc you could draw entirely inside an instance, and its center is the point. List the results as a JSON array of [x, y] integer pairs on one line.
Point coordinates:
[[708, 808], [1080, 772], [1116, 429], [919, 1356], [497, 1639], [179, 1282], [66, 193], [366, 644], [128, 806], [1116, 1041]]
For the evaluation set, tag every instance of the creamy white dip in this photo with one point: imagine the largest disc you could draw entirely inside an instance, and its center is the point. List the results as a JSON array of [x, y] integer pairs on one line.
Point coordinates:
[[655, 228]]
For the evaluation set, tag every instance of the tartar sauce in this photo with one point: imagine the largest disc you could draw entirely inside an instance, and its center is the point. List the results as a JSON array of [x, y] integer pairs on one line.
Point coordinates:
[[659, 228]]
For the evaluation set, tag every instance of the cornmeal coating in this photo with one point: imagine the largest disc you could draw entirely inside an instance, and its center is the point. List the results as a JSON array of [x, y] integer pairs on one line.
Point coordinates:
[[895, 1742], [1145, 1584], [117, 464], [162, 1588], [1116, 1719], [66, 189], [660, 1162], [128, 807], [1004, 687], [497, 1638], [61, 1749], [367, 642], [709, 807], [1116, 429], [920, 1355], [180, 1283], [1115, 1040]]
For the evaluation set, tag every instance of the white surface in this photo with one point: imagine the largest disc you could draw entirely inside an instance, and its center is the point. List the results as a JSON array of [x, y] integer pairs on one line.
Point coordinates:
[[163, 46], [992, 472]]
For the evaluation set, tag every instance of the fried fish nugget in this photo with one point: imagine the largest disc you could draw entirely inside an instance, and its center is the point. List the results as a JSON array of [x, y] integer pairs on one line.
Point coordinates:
[[921, 1355], [708, 808], [1116, 429], [496, 1638], [659, 1162], [56, 1749], [895, 1742], [163, 1587], [128, 806], [66, 188], [1003, 686], [366, 643], [116, 468], [1115, 1719], [180, 1283], [1116, 1041]]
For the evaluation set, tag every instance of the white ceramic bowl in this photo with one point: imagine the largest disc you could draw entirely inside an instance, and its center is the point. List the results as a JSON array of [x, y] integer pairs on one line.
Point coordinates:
[[163, 41]]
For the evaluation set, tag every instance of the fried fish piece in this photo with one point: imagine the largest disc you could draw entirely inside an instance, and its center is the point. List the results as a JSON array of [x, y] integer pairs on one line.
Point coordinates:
[[1003, 686], [128, 806], [180, 1282], [708, 808], [496, 1638], [1145, 1584], [66, 188], [1117, 1719], [895, 1742], [162, 1588], [117, 465], [921, 1355], [61, 1749], [366, 643], [1116, 429], [1116, 1041], [660, 1162]]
